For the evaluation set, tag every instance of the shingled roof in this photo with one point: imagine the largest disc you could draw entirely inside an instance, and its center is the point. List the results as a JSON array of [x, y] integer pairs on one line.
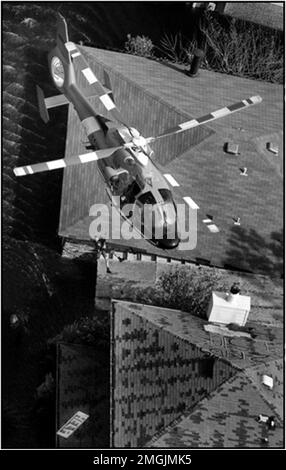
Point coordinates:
[[176, 384], [227, 418]]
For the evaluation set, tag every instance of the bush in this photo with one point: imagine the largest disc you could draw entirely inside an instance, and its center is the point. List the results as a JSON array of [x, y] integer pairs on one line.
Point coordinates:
[[232, 46], [183, 289], [139, 45], [88, 331], [176, 48], [246, 50]]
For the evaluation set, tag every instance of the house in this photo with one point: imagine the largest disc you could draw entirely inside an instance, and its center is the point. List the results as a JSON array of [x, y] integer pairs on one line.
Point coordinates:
[[174, 384]]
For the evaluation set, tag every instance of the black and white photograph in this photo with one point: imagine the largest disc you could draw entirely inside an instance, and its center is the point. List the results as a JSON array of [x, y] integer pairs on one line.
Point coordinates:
[[142, 228]]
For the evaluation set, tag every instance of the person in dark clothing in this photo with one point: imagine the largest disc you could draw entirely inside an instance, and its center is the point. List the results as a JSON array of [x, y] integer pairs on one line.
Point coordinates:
[[101, 250]]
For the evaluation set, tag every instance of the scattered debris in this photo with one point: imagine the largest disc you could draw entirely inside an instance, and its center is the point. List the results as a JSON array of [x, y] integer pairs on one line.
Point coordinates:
[[272, 148], [262, 418], [243, 171], [29, 22], [271, 422], [268, 381], [231, 148], [213, 228]]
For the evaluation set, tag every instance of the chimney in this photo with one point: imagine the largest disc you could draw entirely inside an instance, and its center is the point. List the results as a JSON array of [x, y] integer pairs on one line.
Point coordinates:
[[233, 294]]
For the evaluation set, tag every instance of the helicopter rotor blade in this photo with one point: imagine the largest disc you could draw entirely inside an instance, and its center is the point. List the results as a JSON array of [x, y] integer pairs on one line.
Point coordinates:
[[63, 163], [208, 117]]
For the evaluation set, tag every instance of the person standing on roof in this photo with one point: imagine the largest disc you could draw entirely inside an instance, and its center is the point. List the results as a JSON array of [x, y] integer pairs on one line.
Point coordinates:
[[101, 250]]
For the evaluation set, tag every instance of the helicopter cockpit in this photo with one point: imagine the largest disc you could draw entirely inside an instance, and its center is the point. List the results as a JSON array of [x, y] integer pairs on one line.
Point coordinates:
[[130, 193], [160, 215]]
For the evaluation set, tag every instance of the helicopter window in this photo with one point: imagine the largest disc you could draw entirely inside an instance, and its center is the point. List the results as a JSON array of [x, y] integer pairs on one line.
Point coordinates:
[[130, 193], [170, 213], [147, 198], [166, 195]]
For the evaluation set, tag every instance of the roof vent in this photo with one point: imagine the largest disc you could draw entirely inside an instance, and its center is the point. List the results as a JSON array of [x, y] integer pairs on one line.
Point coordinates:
[[231, 148], [243, 171], [268, 381], [272, 148]]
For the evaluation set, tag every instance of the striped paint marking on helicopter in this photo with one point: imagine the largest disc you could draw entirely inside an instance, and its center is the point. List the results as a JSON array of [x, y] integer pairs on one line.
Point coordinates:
[[29, 169], [188, 200], [107, 102], [90, 125], [171, 180], [55, 164], [88, 157], [89, 75], [62, 163], [75, 54], [19, 171], [226, 110], [82, 65], [221, 112], [188, 125], [70, 46], [39, 167]]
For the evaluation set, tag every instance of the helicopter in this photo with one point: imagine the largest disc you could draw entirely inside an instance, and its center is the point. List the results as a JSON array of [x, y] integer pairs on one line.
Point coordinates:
[[124, 157]]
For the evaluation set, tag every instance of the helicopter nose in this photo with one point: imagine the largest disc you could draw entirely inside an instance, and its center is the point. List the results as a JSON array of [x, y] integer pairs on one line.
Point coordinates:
[[167, 243]]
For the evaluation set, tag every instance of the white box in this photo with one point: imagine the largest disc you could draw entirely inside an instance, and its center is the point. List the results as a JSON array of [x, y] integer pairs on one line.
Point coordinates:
[[222, 310]]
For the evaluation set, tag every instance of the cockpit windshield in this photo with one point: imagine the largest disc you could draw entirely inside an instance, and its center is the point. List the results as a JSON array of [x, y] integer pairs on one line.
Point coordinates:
[[169, 212], [169, 208], [166, 195]]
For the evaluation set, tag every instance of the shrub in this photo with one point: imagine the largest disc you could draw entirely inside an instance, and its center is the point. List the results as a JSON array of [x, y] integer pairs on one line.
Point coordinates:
[[89, 331], [139, 45], [243, 49], [232, 46], [176, 48], [183, 289]]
